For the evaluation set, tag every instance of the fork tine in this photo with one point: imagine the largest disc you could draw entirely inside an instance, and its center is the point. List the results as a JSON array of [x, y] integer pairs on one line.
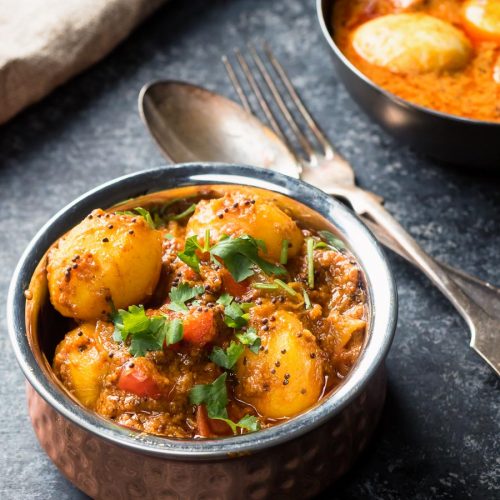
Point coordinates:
[[263, 104], [302, 138], [260, 97], [316, 130], [236, 84]]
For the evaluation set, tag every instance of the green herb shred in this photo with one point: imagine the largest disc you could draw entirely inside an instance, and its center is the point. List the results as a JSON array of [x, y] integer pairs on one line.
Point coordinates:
[[310, 262], [284, 252]]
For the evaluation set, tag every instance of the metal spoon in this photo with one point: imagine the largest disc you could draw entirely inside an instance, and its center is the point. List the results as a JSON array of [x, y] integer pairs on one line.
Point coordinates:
[[190, 123]]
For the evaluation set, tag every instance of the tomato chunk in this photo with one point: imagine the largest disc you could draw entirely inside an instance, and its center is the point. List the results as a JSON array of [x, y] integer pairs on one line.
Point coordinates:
[[232, 287], [199, 327], [208, 427], [136, 381]]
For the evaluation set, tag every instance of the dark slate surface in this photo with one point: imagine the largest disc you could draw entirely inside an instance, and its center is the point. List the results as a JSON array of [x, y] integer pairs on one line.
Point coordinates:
[[439, 437]]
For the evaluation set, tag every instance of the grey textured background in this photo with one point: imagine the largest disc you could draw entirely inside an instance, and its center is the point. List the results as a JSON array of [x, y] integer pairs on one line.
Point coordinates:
[[439, 437]]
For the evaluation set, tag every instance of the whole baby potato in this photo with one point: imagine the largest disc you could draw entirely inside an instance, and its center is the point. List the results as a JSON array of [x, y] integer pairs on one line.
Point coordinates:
[[108, 259], [81, 362], [412, 43], [245, 212], [286, 377]]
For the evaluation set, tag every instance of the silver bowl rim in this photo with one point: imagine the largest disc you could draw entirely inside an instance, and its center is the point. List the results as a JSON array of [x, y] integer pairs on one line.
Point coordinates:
[[382, 298], [320, 12]]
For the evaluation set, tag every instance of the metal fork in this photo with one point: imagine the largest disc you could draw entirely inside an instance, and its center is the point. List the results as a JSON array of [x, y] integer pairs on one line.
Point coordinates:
[[320, 164]]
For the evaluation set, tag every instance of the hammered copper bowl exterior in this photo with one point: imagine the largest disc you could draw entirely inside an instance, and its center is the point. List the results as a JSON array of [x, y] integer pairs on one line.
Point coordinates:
[[300, 468], [296, 459]]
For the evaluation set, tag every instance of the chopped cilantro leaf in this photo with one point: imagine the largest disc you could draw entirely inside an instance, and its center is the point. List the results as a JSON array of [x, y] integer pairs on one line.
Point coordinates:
[[250, 339], [235, 316], [206, 241], [213, 395], [284, 252], [146, 333], [181, 294], [188, 255], [183, 214], [307, 300], [288, 289], [132, 321], [332, 240], [241, 254], [249, 423], [225, 299], [246, 306], [174, 332], [265, 286], [143, 213], [310, 262], [228, 358], [143, 342]]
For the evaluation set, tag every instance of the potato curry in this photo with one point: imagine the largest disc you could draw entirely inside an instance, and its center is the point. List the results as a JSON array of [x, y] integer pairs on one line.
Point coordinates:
[[215, 314], [441, 54]]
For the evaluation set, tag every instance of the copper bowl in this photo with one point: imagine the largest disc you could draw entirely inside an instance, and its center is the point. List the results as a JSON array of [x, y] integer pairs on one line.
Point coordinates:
[[294, 459], [449, 138]]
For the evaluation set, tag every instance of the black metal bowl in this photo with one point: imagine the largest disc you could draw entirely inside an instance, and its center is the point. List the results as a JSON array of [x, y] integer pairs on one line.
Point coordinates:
[[449, 138]]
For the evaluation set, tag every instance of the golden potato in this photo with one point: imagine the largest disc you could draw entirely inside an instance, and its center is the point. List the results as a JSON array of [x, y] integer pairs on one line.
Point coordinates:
[[412, 44], [286, 377], [239, 213], [106, 259], [81, 363]]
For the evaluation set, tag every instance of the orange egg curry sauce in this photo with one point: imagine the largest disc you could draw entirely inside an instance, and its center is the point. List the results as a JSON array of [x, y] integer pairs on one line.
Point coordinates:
[[204, 312], [440, 54]]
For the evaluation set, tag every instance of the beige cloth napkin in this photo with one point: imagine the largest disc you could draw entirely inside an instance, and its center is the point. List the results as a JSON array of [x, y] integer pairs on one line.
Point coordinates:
[[45, 42]]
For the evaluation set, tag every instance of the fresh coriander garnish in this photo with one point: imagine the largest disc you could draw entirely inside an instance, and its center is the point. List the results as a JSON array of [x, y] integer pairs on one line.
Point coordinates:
[[214, 397], [146, 333], [249, 423], [307, 300], [265, 286], [288, 289], [310, 262], [250, 339], [206, 241], [175, 331], [332, 240], [225, 299], [183, 214], [284, 252], [275, 285], [169, 236], [227, 358], [235, 316], [241, 254], [181, 294], [143, 213], [188, 255]]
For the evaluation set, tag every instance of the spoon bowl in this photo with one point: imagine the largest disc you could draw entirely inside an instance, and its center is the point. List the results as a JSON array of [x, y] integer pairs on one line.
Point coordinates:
[[189, 122]]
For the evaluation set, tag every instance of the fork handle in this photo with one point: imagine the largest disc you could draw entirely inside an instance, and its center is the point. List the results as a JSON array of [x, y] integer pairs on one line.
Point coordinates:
[[369, 205]]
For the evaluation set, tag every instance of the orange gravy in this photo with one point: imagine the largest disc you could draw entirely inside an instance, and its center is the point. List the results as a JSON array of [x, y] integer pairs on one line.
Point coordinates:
[[471, 92]]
